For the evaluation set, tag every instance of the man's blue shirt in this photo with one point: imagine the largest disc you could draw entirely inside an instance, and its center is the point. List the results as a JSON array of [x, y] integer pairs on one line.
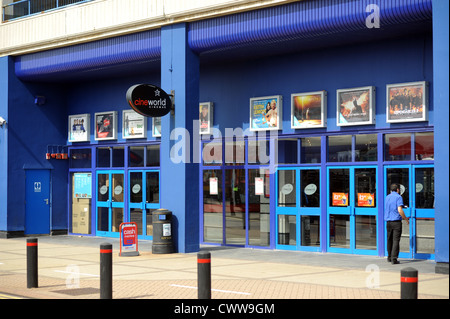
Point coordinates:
[[391, 204]]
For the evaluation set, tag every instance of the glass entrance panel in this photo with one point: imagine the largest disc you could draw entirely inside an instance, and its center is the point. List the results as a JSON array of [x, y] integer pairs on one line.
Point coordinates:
[[339, 187], [212, 206], [258, 207], [235, 207], [339, 231], [110, 202]]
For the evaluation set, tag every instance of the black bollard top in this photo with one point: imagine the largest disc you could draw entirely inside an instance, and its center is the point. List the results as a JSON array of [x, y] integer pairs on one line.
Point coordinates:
[[106, 248], [204, 255], [32, 240], [409, 272]]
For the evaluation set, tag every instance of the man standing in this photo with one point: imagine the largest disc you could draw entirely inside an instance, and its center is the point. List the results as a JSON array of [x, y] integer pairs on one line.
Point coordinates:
[[393, 215]]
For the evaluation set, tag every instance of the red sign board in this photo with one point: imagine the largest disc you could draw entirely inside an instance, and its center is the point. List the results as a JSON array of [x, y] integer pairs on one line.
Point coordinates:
[[128, 239]]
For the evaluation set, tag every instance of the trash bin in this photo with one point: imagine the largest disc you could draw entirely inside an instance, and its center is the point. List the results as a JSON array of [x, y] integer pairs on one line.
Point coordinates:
[[162, 232]]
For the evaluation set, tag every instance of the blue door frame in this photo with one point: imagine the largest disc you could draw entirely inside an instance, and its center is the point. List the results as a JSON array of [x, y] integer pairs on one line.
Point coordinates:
[[350, 210], [296, 211], [139, 184], [413, 213], [106, 198]]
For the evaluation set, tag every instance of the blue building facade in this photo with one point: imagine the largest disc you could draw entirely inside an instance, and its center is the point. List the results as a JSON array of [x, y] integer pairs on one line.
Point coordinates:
[[310, 175]]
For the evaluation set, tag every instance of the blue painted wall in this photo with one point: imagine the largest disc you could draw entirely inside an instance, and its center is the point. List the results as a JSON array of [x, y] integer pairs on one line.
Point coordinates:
[[441, 136], [230, 85]]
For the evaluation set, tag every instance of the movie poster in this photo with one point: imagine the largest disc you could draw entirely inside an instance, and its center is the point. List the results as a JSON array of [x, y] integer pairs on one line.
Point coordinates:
[[355, 106], [134, 125], [206, 117], [156, 126], [265, 113], [106, 125], [308, 110], [79, 128], [407, 102]]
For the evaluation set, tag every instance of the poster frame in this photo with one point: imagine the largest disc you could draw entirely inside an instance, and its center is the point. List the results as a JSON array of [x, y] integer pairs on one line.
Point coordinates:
[[371, 91], [424, 117], [279, 106], [114, 126], [87, 126], [210, 116], [323, 109], [139, 118]]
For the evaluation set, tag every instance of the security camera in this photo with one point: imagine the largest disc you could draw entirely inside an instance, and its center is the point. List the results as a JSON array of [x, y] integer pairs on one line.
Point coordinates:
[[2, 121]]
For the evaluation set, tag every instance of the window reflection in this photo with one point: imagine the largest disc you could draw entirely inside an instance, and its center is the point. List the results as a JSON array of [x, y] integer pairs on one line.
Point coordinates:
[[397, 147], [340, 148]]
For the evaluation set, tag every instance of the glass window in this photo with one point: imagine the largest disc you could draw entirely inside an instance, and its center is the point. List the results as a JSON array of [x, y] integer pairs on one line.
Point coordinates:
[[102, 218], [80, 158], [310, 150], [366, 147], [136, 156], [287, 151], [153, 155], [365, 187], [235, 153], [310, 231], [287, 230], [366, 232], [149, 222], [310, 188], [212, 206], [340, 231], [340, 148], [118, 156], [117, 190], [397, 147], [102, 187], [136, 217], [339, 187], [425, 187], [399, 176], [286, 188], [258, 152], [81, 203], [135, 187], [424, 145], [212, 153], [425, 235], [235, 208], [117, 215], [152, 185], [103, 157], [259, 207]]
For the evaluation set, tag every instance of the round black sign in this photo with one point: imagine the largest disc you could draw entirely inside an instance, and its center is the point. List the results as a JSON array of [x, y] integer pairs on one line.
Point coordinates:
[[149, 100]]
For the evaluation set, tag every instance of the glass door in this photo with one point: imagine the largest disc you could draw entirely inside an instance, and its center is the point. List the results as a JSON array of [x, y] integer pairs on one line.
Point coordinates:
[[417, 190], [352, 209], [298, 209], [143, 200], [109, 202]]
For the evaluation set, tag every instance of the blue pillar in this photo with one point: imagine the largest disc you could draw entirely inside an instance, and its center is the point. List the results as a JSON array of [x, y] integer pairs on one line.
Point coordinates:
[[179, 175], [4, 73], [441, 131]]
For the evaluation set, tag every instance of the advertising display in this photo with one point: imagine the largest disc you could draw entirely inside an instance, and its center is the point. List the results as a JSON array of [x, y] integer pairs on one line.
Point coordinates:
[[149, 100], [266, 113], [366, 200], [340, 199], [79, 128], [309, 110], [106, 125], [134, 125], [355, 106], [82, 187], [128, 239], [206, 117], [407, 102]]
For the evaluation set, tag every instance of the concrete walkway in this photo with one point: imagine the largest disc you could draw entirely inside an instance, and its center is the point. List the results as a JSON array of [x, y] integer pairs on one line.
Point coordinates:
[[69, 269]]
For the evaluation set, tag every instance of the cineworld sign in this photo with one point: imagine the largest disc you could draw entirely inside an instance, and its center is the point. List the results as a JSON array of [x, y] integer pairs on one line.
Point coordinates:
[[149, 100]]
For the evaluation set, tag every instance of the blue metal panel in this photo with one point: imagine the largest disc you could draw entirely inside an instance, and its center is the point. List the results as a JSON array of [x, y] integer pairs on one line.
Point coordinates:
[[133, 48], [301, 20]]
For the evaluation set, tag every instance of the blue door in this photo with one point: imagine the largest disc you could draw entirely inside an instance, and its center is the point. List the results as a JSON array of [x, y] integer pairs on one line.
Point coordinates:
[[352, 203], [298, 208], [38, 201], [143, 200], [417, 190], [110, 202]]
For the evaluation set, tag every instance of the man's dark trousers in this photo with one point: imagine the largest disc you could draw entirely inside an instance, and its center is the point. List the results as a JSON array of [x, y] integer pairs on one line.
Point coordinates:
[[394, 232]]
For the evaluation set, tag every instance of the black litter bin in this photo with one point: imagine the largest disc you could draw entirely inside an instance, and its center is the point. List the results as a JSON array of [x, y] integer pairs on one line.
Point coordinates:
[[162, 232]]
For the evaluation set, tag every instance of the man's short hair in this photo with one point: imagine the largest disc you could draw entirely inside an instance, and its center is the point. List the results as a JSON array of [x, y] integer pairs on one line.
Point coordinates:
[[394, 187]]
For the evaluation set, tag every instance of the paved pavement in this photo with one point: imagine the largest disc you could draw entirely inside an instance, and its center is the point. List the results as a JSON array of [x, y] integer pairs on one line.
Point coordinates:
[[69, 269]]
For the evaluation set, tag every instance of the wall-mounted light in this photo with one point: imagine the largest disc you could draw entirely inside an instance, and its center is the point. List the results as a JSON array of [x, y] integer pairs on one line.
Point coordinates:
[[2, 121], [39, 100]]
